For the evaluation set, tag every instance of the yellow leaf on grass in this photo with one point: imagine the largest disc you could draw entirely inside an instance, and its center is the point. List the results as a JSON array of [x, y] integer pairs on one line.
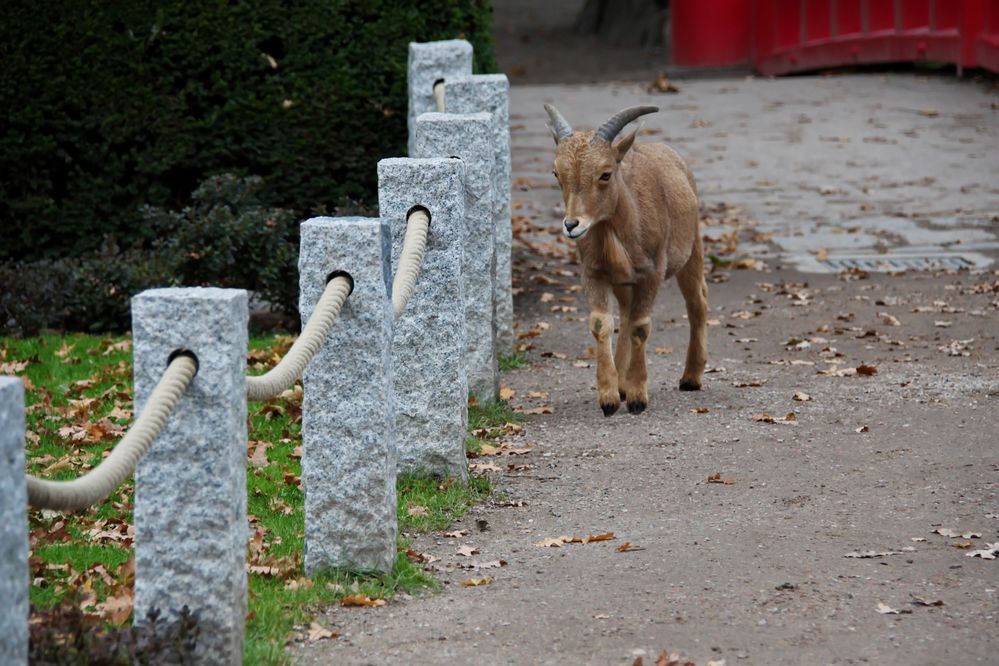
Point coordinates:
[[506, 393]]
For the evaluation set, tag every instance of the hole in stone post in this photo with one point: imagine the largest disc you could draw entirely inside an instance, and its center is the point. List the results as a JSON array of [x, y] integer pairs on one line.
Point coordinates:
[[416, 208], [345, 274], [184, 352]]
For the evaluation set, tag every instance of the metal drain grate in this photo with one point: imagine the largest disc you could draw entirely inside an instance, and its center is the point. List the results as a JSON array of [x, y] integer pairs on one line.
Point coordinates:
[[884, 263]]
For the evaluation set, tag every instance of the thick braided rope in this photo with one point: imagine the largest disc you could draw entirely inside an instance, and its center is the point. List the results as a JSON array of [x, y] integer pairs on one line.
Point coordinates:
[[284, 374], [410, 259], [439, 96], [98, 483]]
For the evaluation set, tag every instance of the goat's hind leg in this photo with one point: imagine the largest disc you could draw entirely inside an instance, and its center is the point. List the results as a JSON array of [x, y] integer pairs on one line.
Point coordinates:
[[639, 329], [694, 288]]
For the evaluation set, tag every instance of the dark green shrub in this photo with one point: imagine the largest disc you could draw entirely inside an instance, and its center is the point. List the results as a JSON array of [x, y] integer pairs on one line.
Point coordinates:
[[113, 105], [225, 238]]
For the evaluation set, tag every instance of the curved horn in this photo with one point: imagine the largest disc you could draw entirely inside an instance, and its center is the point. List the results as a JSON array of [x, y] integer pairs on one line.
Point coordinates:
[[616, 123], [560, 127]]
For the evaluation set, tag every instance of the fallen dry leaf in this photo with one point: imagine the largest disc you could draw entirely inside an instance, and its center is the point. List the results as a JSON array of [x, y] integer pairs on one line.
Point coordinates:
[[861, 429], [663, 351], [866, 370], [627, 547], [357, 600], [717, 478], [700, 410], [421, 557], [764, 417], [885, 609], [318, 632], [801, 396], [467, 551], [417, 510], [607, 536], [456, 534], [484, 467], [550, 543], [888, 319], [477, 582]]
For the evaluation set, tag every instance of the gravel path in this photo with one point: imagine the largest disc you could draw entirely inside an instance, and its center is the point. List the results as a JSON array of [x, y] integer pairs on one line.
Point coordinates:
[[817, 545]]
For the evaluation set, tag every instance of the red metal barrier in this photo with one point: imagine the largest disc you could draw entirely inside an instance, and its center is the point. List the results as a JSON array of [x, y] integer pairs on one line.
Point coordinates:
[[712, 34], [783, 36], [985, 47]]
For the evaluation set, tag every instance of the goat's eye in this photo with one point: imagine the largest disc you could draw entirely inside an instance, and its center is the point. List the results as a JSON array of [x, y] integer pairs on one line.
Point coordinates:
[[555, 173], [605, 176]]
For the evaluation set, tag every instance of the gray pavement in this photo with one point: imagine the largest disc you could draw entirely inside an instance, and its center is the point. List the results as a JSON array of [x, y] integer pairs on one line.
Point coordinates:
[[822, 547]]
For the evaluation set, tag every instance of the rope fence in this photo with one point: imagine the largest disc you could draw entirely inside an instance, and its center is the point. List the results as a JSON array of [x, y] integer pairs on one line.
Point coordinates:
[[283, 375], [439, 96], [414, 246], [398, 366], [98, 483]]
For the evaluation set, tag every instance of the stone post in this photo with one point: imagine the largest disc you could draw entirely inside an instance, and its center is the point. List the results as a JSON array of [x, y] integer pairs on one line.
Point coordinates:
[[491, 93], [429, 63], [14, 574], [429, 339], [190, 488], [469, 137], [348, 410]]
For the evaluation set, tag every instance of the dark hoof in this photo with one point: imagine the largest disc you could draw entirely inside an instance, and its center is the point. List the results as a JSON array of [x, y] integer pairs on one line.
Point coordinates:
[[689, 386], [636, 407], [608, 409], [621, 394]]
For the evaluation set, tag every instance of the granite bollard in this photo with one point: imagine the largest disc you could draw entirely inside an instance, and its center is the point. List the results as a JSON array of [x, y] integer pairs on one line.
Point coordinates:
[[430, 62], [469, 137], [14, 575], [429, 338], [348, 408], [491, 93], [190, 487]]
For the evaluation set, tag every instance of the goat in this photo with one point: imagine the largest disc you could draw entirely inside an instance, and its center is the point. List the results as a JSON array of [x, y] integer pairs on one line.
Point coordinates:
[[633, 213]]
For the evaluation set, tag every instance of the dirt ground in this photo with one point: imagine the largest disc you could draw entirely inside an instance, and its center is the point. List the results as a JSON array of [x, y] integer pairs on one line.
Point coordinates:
[[848, 420]]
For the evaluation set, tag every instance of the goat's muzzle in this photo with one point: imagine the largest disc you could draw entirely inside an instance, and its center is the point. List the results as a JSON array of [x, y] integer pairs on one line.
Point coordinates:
[[574, 229]]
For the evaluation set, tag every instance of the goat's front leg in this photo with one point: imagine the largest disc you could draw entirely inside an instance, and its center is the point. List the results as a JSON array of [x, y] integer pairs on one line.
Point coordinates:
[[640, 328], [602, 328], [622, 350]]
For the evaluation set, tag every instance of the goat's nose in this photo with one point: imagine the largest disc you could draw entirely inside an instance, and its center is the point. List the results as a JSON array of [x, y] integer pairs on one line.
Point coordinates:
[[570, 224]]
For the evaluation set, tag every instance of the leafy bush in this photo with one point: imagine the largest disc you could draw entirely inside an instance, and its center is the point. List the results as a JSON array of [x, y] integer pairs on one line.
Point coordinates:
[[113, 105], [225, 238]]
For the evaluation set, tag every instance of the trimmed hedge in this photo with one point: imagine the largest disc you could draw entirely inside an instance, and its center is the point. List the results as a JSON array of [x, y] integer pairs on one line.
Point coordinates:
[[111, 106]]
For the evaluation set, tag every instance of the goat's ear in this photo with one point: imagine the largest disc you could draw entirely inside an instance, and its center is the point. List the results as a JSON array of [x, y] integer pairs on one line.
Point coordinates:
[[554, 133], [624, 145]]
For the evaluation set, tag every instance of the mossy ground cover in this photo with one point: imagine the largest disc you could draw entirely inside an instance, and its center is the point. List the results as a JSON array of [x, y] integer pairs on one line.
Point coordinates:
[[79, 397]]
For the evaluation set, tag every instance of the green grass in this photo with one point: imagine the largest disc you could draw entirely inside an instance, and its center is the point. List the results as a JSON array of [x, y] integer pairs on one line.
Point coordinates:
[[85, 552], [514, 361]]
